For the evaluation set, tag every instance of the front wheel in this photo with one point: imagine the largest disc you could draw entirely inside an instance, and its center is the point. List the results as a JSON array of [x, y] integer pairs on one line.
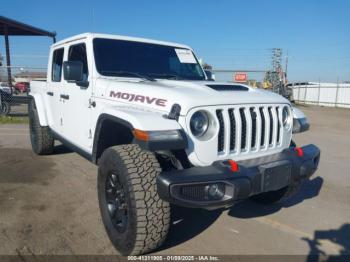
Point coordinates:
[[136, 219]]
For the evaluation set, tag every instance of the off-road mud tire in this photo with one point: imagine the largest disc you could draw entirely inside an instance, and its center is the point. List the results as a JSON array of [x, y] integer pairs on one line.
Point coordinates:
[[40, 136], [148, 217]]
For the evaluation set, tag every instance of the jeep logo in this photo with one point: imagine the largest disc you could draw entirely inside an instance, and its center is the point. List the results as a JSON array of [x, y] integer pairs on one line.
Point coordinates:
[[138, 98]]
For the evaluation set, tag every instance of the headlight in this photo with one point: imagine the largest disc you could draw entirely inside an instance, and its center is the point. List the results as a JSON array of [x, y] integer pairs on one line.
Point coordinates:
[[199, 123], [286, 117]]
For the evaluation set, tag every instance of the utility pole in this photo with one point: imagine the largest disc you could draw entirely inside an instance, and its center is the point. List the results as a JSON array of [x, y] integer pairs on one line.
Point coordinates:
[[277, 59], [275, 75]]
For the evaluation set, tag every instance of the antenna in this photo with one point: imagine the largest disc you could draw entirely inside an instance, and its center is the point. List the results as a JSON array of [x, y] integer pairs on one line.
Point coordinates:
[[92, 19]]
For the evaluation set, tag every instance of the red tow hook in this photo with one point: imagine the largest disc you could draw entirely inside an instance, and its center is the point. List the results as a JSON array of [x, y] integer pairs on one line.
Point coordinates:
[[233, 165], [299, 151]]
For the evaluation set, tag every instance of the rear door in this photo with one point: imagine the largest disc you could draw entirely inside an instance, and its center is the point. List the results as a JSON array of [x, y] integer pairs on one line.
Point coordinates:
[[76, 101], [53, 90]]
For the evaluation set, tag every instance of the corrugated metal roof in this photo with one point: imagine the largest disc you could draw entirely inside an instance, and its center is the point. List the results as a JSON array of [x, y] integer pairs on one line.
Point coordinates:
[[18, 28]]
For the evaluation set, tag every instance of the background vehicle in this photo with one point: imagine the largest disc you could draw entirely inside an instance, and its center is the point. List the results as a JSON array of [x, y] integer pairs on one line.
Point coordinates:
[[22, 87], [161, 133], [5, 101], [4, 87]]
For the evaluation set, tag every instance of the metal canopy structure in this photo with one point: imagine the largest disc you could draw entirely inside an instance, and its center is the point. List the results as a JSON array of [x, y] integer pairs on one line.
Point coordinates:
[[10, 27]]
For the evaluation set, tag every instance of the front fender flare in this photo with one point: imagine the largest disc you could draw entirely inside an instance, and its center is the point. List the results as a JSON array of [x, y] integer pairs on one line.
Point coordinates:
[[142, 119], [134, 119]]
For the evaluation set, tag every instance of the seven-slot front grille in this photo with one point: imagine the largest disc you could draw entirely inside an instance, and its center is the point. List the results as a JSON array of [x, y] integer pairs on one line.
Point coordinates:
[[251, 128]]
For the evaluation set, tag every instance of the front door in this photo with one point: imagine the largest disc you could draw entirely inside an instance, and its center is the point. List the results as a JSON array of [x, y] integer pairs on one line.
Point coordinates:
[[76, 111], [53, 89]]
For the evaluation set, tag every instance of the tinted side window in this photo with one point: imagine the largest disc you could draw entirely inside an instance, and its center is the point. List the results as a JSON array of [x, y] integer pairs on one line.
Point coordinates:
[[78, 53], [57, 61]]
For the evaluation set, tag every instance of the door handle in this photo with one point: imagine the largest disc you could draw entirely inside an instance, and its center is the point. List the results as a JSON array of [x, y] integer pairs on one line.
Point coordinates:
[[49, 93], [64, 96]]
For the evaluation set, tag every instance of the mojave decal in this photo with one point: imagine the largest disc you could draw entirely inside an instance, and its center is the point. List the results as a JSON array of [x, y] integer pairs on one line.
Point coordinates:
[[138, 98]]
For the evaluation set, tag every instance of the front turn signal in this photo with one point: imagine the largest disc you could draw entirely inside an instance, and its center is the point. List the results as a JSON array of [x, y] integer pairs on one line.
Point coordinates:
[[141, 135], [160, 135]]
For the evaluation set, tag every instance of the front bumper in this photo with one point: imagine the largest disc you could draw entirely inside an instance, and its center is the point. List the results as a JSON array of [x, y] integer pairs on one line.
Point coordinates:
[[188, 187]]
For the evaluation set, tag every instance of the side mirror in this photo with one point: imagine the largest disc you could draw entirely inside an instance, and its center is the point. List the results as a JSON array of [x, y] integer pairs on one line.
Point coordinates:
[[73, 71], [210, 75]]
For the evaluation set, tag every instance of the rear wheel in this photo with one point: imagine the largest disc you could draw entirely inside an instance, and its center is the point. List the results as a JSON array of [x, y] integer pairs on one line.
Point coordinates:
[[5, 108], [40, 136], [136, 219]]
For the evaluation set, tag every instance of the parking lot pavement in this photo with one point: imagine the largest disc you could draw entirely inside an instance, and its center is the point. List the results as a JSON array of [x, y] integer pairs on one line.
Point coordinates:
[[48, 205]]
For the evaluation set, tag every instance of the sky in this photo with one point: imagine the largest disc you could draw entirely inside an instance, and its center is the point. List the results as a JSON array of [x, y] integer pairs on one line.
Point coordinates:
[[228, 34]]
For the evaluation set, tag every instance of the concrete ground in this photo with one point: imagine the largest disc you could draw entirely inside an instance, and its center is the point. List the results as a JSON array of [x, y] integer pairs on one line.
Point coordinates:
[[48, 205]]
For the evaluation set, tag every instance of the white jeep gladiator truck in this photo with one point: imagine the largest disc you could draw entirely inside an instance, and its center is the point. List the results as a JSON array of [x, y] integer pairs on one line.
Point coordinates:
[[162, 133]]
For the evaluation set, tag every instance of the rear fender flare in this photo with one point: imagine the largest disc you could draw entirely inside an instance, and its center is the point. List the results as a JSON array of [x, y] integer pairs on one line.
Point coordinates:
[[40, 107]]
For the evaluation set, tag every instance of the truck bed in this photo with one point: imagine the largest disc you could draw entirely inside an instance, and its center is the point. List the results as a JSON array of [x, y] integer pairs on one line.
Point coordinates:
[[37, 87]]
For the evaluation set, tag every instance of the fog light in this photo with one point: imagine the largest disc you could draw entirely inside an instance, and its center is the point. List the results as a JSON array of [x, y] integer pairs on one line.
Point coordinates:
[[203, 192], [215, 191]]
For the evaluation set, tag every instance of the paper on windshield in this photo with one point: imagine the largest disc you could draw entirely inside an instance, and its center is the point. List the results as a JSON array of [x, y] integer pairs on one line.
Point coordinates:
[[185, 56]]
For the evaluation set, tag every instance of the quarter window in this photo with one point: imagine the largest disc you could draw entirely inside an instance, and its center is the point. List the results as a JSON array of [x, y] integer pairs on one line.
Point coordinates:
[[57, 61]]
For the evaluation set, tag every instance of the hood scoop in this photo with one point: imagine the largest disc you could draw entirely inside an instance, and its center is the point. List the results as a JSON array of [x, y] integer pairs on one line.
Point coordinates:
[[228, 87]]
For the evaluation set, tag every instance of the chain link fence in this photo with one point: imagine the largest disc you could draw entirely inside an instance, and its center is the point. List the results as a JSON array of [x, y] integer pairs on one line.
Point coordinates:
[[255, 78], [14, 96]]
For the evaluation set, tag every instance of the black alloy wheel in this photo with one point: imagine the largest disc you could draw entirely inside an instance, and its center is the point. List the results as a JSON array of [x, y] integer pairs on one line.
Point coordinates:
[[116, 202]]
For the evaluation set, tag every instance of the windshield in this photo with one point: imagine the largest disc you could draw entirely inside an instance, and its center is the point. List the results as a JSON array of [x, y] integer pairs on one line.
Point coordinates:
[[137, 59]]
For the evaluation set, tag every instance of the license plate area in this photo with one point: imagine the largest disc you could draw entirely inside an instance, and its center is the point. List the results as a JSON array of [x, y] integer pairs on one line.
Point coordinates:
[[275, 176]]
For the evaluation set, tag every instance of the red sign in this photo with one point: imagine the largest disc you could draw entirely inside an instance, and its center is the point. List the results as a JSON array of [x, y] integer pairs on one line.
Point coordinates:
[[241, 77]]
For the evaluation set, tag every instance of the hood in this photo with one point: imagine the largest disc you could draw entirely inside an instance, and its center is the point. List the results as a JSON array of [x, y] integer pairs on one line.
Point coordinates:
[[162, 94]]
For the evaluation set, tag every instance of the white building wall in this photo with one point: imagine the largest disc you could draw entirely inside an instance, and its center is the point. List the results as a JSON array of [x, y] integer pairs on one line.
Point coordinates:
[[334, 95]]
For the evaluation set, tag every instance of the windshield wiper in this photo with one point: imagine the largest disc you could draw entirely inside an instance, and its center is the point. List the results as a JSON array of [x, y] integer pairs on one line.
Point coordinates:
[[129, 73], [168, 76]]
